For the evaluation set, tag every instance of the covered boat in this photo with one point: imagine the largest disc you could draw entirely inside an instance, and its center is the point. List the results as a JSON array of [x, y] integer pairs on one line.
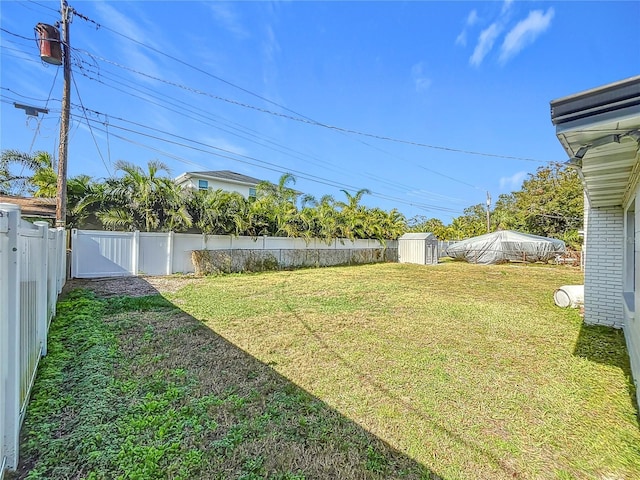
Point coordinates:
[[506, 246]]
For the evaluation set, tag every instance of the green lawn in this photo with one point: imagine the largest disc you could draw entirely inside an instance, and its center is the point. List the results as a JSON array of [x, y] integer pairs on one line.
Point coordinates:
[[382, 371]]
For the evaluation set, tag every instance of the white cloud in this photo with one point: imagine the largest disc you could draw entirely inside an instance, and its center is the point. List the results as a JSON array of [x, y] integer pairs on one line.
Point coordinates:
[[126, 26], [525, 33], [270, 45], [513, 182], [485, 43], [462, 39], [133, 55], [506, 6], [421, 81], [472, 19], [228, 19], [488, 36]]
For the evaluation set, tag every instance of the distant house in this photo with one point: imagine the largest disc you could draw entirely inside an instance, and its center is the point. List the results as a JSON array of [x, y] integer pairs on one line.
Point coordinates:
[[600, 131], [219, 179], [33, 207]]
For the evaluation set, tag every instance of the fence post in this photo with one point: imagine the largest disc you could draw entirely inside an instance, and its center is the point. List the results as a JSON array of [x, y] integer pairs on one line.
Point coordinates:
[[10, 333], [135, 252], [74, 253], [41, 286], [4, 329], [170, 253], [62, 259]]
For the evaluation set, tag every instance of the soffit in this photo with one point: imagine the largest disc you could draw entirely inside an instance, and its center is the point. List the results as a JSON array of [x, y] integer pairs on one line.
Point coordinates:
[[607, 169]]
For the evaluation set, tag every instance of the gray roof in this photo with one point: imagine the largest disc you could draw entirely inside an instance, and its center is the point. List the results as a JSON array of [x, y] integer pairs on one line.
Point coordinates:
[[600, 131], [227, 175], [32, 206]]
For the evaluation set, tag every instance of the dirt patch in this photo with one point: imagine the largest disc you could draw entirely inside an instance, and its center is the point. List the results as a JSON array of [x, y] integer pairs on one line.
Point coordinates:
[[132, 286]]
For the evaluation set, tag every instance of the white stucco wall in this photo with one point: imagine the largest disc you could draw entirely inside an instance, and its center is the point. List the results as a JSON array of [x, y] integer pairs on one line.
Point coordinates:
[[603, 287], [218, 184]]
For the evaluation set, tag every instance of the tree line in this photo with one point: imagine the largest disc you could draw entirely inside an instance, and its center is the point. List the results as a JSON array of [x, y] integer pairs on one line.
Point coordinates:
[[550, 203]]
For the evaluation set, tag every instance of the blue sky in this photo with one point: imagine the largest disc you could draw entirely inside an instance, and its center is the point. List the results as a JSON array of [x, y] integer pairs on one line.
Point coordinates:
[[263, 88]]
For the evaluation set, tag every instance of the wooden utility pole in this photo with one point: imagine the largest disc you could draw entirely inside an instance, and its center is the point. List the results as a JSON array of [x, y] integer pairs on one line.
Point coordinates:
[[488, 212], [61, 198]]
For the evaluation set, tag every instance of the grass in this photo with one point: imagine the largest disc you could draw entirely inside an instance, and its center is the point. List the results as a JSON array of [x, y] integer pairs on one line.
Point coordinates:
[[382, 371]]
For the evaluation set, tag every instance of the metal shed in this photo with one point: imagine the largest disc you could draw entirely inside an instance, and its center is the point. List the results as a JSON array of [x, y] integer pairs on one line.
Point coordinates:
[[420, 248]]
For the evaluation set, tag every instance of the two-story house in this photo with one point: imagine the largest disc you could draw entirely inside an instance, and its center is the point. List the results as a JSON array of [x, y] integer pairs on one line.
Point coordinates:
[[219, 180]]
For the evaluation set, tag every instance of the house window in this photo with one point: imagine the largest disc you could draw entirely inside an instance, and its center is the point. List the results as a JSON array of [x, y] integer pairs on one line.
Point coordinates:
[[203, 184], [252, 193]]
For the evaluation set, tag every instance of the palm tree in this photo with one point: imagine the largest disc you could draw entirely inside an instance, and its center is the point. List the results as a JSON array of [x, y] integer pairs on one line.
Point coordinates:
[[326, 219], [353, 201], [79, 189], [218, 212], [40, 163], [277, 202], [45, 179], [353, 215], [144, 200]]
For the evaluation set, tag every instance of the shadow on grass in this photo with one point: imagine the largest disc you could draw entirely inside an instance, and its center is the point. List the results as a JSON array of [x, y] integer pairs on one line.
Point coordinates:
[[190, 404], [607, 346], [436, 425]]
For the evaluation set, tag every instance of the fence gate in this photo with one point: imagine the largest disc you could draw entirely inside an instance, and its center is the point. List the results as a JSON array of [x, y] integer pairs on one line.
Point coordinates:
[[104, 254]]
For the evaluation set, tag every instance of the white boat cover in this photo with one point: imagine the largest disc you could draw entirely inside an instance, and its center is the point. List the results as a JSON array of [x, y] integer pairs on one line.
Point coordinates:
[[506, 246]]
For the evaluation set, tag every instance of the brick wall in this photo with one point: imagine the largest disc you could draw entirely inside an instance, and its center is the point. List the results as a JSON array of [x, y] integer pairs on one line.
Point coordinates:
[[604, 266]]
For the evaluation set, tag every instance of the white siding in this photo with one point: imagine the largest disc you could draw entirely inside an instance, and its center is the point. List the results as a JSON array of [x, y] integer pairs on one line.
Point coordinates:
[[603, 303], [192, 183]]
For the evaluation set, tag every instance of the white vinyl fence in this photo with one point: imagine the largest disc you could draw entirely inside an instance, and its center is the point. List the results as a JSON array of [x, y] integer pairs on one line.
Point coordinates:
[[32, 274], [110, 254]]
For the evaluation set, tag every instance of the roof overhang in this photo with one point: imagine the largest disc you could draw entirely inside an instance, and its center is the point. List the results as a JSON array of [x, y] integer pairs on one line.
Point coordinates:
[[188, 175], [600, 131]]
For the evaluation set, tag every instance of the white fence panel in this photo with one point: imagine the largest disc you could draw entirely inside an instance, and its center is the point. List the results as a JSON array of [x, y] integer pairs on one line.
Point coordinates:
[[104, 254], [30, 246], [32, 274], [247, 243], [109, 254], [183, 245], [283, 243], [155, 254], [218, 242]]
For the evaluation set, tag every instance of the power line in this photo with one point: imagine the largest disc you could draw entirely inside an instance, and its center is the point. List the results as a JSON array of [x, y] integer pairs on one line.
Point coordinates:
[[302, 118], [16, 35], [318, 162], [89, 125], [45, 6], [305, 120], [299, 118], [37, 130], [251, 161]]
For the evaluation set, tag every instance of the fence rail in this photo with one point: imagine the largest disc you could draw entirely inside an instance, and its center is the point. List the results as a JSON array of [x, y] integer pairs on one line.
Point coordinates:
[[32, 274], [111, 254]]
